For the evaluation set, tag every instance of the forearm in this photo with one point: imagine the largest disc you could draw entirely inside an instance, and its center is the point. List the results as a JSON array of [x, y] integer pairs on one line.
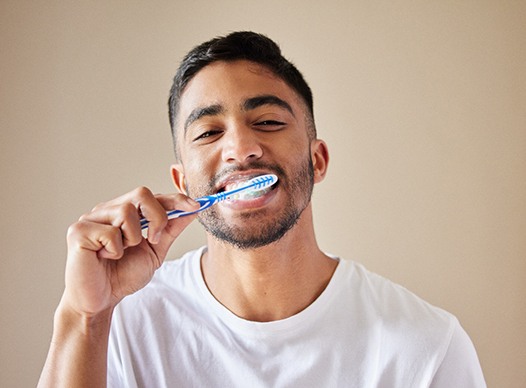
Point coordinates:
[[78, 353]]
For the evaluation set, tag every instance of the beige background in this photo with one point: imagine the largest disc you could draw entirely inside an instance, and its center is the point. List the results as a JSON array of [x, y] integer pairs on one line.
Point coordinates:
[[422, 105]]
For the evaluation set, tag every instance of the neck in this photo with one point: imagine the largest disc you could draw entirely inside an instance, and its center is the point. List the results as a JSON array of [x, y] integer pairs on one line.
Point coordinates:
[[272, 282]]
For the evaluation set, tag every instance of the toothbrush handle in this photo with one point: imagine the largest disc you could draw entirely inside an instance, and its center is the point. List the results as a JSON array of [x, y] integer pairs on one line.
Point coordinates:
[[205, 203]]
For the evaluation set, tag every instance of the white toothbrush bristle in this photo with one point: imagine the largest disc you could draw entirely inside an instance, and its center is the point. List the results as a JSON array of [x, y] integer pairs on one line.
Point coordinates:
[[263, 185]]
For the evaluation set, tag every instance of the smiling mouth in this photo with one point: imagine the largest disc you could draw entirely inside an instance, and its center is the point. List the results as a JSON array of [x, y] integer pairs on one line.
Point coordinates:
[[247, 195]]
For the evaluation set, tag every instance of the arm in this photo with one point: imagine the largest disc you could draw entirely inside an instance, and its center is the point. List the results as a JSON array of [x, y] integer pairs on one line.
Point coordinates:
[[108, 259], [77, 354]]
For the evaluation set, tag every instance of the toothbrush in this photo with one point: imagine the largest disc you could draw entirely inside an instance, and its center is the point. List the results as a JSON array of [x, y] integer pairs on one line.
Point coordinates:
[[255, 184]]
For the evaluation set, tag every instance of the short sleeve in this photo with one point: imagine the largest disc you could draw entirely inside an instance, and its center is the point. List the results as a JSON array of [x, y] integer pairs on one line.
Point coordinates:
[[460, 366]]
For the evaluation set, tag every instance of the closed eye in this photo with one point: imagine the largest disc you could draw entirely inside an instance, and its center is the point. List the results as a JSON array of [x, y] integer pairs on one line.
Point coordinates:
[[207, 134], [270, 123]]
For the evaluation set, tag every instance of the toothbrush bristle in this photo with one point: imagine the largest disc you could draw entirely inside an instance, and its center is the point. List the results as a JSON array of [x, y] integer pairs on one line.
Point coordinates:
[[248, 189]]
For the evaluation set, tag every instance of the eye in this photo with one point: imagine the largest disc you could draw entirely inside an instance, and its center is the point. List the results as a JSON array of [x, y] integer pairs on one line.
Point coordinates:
[[207, 134], [270, 124]]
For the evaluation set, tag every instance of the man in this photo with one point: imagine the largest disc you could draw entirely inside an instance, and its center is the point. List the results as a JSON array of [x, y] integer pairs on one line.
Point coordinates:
[[261, 305]]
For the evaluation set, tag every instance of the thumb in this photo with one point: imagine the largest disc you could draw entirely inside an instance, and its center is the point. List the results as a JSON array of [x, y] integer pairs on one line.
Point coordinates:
[[170, 233]]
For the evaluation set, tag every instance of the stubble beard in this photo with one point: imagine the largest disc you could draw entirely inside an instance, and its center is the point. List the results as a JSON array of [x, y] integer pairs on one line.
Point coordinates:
[[298, 189]]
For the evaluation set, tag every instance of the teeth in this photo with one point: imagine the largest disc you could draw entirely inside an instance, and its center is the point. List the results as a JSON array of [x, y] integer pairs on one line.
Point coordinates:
[[232, 186], [246, 195]]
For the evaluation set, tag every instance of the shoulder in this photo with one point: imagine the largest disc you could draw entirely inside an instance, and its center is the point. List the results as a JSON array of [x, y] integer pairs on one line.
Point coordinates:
[[405, 328], [402, 317], [388, 298]]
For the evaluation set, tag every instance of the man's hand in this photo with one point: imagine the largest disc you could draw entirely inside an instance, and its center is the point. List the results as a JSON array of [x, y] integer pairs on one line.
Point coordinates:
[[108, 257]]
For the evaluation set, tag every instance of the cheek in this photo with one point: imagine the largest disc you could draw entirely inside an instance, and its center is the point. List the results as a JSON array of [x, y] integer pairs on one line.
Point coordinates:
[[196, 179], [195, 189]]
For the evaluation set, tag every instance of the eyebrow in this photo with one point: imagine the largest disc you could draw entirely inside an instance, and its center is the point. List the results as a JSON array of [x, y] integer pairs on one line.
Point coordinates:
[[267, 99], [249, 104], [199, 112]]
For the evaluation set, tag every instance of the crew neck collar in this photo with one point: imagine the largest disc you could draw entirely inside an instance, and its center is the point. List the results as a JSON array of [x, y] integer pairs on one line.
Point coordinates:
[[249, 328]]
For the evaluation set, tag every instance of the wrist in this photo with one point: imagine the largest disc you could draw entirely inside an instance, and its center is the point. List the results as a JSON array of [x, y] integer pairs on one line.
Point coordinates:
[[69, 319]]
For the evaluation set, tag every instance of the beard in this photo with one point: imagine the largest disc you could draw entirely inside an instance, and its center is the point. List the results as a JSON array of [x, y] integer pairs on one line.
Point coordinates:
[[298, 186]]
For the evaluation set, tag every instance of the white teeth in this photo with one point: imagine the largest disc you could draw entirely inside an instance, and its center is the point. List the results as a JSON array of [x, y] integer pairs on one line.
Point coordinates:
[[232, 186], [249, 194], [245, 195]]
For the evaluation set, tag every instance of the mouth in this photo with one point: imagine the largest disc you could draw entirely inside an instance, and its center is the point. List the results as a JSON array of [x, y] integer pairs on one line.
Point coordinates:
[[235, 182]]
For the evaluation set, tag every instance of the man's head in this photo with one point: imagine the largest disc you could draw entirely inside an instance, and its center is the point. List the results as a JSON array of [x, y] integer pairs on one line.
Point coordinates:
[[243, 45], [234, 118]]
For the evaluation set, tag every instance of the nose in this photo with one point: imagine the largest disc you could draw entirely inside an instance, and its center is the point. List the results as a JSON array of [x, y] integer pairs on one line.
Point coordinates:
[[240, 145]]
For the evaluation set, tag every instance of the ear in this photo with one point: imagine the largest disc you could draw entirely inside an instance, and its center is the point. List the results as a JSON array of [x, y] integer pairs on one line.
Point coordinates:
[[178, 178], [320, 159]]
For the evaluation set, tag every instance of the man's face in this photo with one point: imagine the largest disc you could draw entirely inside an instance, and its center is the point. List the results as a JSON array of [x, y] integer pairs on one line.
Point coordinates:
[[237, 120]]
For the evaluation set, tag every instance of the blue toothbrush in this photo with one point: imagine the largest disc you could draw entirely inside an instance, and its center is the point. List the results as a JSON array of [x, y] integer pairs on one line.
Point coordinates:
[[255, 184]]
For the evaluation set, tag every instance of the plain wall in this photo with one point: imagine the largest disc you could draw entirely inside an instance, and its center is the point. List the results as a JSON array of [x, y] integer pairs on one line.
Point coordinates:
[[422, 105]]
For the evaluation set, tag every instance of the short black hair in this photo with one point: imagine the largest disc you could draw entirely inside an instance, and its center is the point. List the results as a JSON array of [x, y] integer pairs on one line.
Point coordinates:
[[240, 45]]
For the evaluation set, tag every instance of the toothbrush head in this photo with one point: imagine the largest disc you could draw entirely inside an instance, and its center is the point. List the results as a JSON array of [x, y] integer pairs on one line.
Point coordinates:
[[249, 189]]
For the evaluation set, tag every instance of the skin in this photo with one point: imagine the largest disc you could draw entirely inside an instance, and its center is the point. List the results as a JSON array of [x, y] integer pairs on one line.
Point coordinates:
[[108, 258]]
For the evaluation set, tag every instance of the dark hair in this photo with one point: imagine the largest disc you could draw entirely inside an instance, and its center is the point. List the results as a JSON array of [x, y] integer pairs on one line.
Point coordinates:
[[242, 45]]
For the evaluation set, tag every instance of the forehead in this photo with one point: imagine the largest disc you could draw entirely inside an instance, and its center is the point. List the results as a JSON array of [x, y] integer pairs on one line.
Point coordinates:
[[230, 83]]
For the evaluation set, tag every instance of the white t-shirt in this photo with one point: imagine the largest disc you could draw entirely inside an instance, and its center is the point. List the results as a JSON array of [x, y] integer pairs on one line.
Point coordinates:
[[362, 331]]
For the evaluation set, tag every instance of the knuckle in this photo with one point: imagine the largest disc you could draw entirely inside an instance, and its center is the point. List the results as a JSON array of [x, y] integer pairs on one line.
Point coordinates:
[[84, 217], [114, 233], [127, 210], [142, 192], [75, 230], [98, 206]]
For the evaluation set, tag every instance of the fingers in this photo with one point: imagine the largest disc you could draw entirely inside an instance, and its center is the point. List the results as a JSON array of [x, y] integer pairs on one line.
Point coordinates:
[[106, 240], [157, 218], [172, 231], [178, 201], [124, 213], [122, 217]]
